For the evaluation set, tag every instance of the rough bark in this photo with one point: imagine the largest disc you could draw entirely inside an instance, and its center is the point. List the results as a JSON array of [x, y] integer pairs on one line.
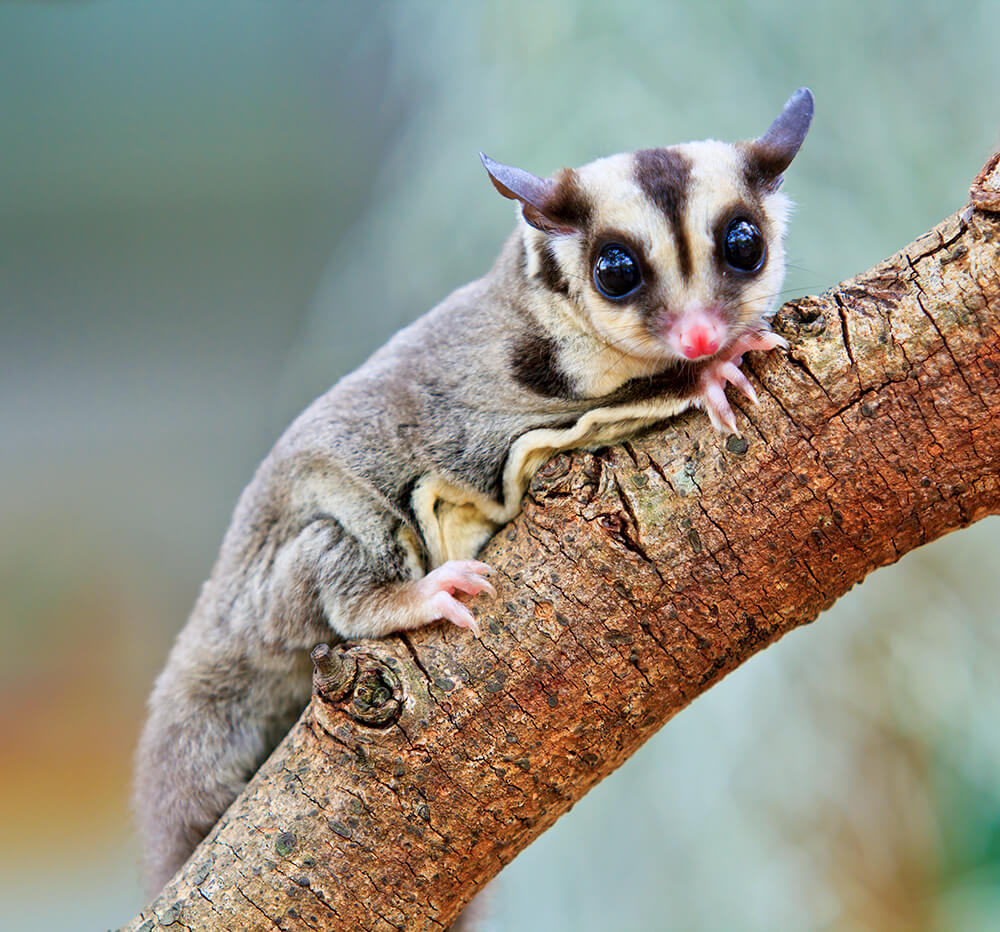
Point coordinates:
[[635, 578]]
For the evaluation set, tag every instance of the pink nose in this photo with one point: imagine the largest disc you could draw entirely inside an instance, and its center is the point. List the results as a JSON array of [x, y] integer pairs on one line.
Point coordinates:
[[698, 341]]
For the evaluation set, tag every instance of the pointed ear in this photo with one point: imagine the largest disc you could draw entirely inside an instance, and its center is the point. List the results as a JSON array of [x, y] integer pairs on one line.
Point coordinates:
[[772, 153], [540, 197]]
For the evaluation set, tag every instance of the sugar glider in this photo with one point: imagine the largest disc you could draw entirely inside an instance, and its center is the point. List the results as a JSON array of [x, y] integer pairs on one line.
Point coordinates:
[[628, 292]]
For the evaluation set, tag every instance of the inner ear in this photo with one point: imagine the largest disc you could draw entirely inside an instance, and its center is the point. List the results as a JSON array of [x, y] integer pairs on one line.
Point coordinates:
[[768, 156], [543, 200]]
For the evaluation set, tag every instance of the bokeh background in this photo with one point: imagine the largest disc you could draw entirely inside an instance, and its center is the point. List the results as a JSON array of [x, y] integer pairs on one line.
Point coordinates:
[[211, 210]]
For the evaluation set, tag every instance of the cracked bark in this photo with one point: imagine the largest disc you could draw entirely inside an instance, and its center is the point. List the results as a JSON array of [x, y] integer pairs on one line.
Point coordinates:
[[634, 579]]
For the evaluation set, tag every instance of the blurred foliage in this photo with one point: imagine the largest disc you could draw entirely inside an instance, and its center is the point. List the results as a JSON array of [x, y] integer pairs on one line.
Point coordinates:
[[209, 211]]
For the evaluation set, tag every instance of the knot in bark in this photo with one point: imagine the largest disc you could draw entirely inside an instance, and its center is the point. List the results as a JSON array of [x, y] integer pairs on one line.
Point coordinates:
[[365, 687]]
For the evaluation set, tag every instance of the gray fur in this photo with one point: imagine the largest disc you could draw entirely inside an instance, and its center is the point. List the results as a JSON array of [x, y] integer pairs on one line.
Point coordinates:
[[316, 549], [238, 675]]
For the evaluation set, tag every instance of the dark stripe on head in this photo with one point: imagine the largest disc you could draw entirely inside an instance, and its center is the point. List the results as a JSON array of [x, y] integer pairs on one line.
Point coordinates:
[[549, 271], [534, 360], [664, 176]]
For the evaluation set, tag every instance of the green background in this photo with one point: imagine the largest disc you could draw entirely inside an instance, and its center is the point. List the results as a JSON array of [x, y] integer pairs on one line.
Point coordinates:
[[209, 211]]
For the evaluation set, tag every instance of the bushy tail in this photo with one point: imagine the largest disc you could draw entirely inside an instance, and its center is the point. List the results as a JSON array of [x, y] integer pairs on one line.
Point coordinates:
[[214, 716]]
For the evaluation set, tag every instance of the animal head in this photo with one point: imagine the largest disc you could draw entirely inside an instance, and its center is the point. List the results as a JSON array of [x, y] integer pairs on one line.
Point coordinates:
[[667, 254]]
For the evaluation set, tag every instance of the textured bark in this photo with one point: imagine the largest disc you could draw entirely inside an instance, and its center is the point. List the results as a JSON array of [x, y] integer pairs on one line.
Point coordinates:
[[634, 579]]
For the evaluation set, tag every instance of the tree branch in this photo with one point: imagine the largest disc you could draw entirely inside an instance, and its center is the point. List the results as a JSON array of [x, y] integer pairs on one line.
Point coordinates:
[[634, 579]]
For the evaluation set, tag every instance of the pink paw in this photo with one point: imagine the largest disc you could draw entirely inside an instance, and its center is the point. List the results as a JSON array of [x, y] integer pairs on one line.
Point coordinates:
[[726, 369], [437, 589], [765, 340]]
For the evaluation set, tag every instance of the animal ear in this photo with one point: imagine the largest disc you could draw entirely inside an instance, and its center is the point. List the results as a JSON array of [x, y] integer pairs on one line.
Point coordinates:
[[538, 196], [773, 152]]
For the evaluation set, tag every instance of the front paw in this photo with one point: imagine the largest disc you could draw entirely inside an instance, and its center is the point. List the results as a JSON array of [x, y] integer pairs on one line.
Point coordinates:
[[436, 591], [764, 340], [726, 369]]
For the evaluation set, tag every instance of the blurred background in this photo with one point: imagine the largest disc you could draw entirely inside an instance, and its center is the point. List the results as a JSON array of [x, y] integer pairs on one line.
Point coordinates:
[[211, 210]]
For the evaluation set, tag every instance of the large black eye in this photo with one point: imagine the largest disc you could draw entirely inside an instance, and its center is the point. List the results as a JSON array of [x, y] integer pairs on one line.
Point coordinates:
[[616, 271], [744, 246]]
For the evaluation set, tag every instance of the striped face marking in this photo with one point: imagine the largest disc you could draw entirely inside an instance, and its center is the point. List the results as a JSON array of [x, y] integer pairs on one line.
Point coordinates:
[[667, 256], [689, 222]]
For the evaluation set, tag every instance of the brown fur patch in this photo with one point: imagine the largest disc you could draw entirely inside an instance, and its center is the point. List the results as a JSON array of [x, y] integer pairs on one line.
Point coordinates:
[[678, 380], [664, 176], [534, 360]]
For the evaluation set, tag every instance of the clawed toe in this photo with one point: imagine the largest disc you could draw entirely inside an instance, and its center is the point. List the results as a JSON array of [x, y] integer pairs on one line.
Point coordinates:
[[713, 395], [717, 406], [447, 607], [725, 370], [763, 341], [731, 373], [440, 587]]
